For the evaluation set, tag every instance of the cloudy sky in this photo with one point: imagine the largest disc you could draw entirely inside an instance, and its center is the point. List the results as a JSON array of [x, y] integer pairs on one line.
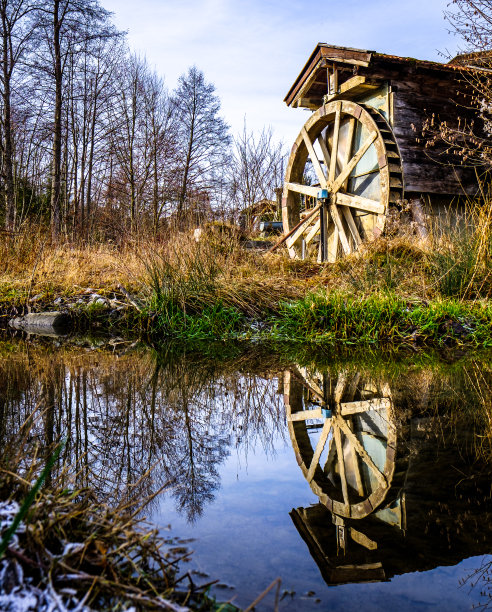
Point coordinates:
[[252, 50]]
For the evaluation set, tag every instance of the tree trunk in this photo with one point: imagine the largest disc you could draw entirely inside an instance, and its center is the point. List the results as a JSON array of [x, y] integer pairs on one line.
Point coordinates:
[[184, 186], [7, 126], [93, 120], [57, 129]]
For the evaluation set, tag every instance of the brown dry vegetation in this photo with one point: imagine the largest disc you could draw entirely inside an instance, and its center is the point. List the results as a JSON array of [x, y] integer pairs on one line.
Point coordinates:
[[448, 264]]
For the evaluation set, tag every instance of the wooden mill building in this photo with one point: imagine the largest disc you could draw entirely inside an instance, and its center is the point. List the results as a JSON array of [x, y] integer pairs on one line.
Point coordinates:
[[363, 150]]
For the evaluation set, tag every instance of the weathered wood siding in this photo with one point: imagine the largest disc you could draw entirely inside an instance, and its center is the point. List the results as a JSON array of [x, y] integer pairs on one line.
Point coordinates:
[[419, 94], [429, 169]]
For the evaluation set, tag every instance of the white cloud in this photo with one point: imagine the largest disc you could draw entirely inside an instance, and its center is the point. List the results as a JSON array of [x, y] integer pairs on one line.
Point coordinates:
[[252, 50]]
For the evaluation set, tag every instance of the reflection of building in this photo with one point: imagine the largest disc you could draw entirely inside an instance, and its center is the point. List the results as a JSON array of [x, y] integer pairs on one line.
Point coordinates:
[[399, 490]]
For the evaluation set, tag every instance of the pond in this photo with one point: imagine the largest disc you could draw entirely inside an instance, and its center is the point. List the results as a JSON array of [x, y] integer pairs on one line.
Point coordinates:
[[361, 481]]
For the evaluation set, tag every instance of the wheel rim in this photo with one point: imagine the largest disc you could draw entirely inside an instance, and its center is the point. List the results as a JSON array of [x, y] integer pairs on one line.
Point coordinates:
[[344, 435], [350, 151]]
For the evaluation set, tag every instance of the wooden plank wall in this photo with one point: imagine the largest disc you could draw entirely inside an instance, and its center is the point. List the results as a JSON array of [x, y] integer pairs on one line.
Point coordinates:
[[418, 96]]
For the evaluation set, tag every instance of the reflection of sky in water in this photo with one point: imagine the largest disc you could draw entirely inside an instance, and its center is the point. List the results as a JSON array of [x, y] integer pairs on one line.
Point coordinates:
[[246, 538], [218, 431]]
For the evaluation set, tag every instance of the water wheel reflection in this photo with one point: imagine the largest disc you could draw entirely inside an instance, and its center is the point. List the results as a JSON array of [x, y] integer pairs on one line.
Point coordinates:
[[344, 435], [402, 483]]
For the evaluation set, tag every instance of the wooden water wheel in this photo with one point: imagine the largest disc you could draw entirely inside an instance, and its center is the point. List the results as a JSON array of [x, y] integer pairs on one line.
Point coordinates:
[[344, 435], [343, 172]]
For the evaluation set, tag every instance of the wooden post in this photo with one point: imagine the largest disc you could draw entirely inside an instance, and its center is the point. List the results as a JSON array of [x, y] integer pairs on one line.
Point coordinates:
[[323, 239], [419, 217]]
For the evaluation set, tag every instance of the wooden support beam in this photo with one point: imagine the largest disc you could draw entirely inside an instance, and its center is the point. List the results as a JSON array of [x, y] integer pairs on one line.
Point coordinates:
[[313, 231], [302, 227], [354, 86], [286, 236], [362, 539]]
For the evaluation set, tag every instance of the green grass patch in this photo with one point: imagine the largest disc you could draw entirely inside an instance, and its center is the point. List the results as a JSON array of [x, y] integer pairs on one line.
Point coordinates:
[[327, 318], [382, 319], [212, 322]]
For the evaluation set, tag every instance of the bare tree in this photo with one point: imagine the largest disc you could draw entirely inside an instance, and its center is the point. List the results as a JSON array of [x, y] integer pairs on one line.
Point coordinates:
[[203, 134], [472, 21], [16, 33], [65, 26], [470, 137], [162, 144], [257, 167]]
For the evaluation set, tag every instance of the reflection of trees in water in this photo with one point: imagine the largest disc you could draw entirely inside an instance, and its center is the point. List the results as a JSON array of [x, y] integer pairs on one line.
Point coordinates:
[[124, 414], [210, 407]]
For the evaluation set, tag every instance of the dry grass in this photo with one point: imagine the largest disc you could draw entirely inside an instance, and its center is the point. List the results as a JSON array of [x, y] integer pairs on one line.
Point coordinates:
[[74, 550], [29, 264], [455, 263]]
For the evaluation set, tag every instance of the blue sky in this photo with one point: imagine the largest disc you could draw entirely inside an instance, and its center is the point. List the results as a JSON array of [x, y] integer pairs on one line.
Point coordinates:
[[252, 50]]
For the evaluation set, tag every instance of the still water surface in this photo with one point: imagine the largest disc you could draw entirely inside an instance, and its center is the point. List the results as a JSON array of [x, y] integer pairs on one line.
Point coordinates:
[[362, 484]]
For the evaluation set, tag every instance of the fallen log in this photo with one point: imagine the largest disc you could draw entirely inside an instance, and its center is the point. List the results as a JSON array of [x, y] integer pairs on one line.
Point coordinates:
[[42, 322]]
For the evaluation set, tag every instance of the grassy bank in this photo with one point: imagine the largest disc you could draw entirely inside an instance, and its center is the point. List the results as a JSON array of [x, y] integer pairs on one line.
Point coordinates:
[[396, 290], [63, 548]]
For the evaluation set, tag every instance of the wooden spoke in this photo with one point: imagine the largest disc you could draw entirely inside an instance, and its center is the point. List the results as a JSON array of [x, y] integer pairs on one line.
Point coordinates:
[[304, 415], [347, 213], [333, 240], [358, 476], [313, 231], [345, 173], [349, 408], [348, 146], [360, 449], [314, 159], [324, 150], [304, 189], [319, 449], [311, 386], [302, 227], [341, 464], [311, 381], [331, 456], [385, 389], [345, 199], [340, 386], [334, 148], [352, 387], [341, 231]]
